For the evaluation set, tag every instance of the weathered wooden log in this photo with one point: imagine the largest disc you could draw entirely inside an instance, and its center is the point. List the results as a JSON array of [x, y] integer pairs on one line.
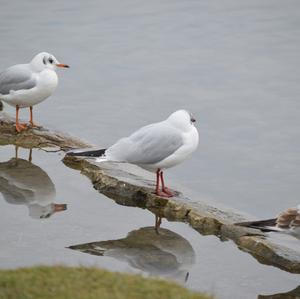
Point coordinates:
[[35, 138], [113, 180], [125, 185]]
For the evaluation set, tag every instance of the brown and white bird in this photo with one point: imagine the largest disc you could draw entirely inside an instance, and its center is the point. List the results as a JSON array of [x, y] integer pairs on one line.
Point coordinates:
[[287, 222], [25, 85]]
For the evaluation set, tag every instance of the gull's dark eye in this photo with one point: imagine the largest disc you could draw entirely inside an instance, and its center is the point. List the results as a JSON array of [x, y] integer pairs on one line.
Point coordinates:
[[51, 60], [192, 118]]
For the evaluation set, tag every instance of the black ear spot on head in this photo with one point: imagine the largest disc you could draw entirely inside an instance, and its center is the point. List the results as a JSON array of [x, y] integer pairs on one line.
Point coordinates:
[[192, 118], [44, 60]]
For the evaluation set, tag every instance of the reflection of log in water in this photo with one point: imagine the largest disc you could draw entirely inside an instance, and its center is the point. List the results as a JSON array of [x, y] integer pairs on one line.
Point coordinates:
[[294, 294], [165, 254], [23, 183], [126, 189]]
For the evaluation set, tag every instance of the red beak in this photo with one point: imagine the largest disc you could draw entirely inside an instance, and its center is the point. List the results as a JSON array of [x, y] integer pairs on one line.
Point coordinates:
[[59, 207], [62, 65]]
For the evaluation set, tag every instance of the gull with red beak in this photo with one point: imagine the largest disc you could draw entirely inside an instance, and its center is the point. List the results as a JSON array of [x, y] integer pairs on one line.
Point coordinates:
[[25, 85]]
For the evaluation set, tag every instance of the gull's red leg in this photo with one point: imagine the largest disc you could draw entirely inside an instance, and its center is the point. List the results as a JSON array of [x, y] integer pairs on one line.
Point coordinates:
[[31, 118], [164, 192], [157, 191], [163, 187], [19, 127], [157, 181]]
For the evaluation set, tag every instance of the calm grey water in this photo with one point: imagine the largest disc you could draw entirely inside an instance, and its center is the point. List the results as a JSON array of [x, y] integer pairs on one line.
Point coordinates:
[[233, 64]]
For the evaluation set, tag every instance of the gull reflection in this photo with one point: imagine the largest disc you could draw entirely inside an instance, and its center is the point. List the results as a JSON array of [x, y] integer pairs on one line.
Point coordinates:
[[24, 183], [161, 254], [294, 294]]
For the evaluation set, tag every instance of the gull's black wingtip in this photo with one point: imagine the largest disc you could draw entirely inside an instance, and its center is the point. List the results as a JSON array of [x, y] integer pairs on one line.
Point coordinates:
[[70, 154], [91, 153], [263, 225]]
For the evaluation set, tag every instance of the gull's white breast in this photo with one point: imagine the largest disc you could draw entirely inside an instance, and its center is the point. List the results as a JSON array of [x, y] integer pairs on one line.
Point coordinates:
[[190, 144], [47, 81]]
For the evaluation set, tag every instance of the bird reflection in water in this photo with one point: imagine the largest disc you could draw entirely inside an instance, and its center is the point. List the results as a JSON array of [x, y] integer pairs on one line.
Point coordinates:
[[294, 294], [24, 183], [160, 254]]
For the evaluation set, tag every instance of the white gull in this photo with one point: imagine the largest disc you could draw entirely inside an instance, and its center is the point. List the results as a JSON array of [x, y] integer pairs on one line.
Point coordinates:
[[155, 147], [25, 85]]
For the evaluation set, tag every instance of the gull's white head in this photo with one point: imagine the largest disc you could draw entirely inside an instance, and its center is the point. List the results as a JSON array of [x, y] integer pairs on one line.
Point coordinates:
[[37, 211], [182, 119], [44, 61]]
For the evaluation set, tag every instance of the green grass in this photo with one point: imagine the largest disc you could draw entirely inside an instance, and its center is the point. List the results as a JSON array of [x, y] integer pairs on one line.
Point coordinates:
[[85, 283]]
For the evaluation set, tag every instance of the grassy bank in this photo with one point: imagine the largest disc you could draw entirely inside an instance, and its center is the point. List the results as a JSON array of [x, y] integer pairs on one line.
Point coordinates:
[[85, 283]]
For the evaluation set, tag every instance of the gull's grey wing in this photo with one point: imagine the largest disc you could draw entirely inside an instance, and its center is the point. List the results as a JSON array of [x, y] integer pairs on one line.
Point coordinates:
[[148, 145], [25, 180], [16, 78], [12, 194]]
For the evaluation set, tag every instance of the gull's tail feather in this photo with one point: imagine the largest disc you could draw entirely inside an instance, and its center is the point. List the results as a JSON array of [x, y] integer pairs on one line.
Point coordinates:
[[268, 225], [90, 153]]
